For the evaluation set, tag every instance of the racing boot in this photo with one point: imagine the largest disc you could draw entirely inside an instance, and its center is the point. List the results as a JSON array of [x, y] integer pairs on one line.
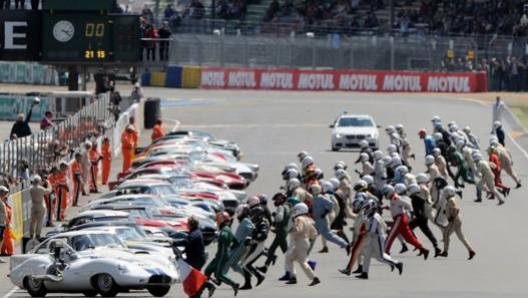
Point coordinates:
[[359, 269], [286, 276], [247, 281], [345, 271], [404, 248], [324, 250], [292, 281], [314, 282], [363, 275]]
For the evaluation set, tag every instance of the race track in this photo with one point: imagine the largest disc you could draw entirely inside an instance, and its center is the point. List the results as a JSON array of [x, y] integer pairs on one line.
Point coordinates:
[[272, 127]]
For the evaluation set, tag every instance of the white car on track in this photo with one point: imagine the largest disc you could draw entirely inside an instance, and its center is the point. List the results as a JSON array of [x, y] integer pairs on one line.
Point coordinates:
[[349, 130], [91, 263]]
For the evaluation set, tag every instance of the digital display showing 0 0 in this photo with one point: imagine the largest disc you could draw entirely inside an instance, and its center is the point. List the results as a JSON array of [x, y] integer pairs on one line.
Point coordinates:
[[77, 37]]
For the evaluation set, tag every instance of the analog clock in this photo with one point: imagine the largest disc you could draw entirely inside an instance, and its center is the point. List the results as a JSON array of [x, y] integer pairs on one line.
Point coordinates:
[[63, 31]]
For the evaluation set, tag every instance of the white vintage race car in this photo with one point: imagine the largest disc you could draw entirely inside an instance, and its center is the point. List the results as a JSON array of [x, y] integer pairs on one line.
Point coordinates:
[[55, 266]]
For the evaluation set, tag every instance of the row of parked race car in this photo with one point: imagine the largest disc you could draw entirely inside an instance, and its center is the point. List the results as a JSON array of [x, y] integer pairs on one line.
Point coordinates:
[[122, 240]]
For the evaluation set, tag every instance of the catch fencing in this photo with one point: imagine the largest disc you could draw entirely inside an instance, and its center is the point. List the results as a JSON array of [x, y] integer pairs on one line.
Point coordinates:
[[335, 51]]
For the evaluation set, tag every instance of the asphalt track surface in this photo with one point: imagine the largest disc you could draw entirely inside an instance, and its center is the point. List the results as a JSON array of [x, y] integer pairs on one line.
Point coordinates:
[[272, 127]]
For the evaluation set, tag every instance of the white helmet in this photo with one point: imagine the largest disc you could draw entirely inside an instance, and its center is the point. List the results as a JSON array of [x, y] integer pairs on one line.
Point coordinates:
[[450, 124], [253, 201], [494, 141], [477, 156], [460, 144], [449, 191], [386, 160], [363, 144], [308, 160], [453, 128], [291, 165], [292, 173], [340, 165], [302, 155], [413, 189], [389, 129], [340, 174], [300, 209], [497, 124], [436, 119], [422, 178], [335, 183], [364, 157], [387, 190], [369, 179], [403, 170], [241, 210], [360, 185], [369, 207], [396, 161], [399, 127], [437, 136], [392, 148], [327, 186], [293, 184], [436, 152], [429, 160], [467, 130], [315, 189], [400, 188], [359, 200], [377, 155]]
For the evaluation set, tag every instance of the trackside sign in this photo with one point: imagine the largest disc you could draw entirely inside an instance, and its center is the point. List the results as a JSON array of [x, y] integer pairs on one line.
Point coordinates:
[[332, 80]]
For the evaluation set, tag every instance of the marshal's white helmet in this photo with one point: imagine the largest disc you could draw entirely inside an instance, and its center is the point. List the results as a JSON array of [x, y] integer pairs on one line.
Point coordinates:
[[364, 157], [400, 188], [429, 160], [369, 179], [293, 184], [308, 160], [392, 148], [422, 178], [413, 189], [300, 209], [363, 144], [377, 155], [436, 152]]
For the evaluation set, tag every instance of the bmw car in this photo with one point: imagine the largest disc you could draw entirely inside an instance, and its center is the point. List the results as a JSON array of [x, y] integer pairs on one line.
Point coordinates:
[[349, 130]]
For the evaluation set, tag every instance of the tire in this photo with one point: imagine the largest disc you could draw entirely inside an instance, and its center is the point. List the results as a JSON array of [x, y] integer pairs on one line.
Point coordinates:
[[334, 149], [90, 293], [158, 291], [106, 285], [35, 288]]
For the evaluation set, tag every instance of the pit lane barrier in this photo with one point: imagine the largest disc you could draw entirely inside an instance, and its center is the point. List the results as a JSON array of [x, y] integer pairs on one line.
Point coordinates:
[[316, 80], [20, 199]]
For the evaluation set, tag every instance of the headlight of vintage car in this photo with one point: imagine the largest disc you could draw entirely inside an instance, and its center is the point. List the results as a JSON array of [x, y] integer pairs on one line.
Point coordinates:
[[338, 136], [122, 268]]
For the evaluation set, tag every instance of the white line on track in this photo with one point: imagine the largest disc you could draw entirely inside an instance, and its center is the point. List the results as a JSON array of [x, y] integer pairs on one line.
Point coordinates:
[[283, 125], [10, 293]]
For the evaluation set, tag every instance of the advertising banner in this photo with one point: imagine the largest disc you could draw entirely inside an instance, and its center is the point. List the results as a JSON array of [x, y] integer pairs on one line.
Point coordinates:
[[333, 80]]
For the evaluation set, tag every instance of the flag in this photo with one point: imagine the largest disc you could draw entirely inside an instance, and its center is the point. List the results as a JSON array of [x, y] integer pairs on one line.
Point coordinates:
[[192, 279]]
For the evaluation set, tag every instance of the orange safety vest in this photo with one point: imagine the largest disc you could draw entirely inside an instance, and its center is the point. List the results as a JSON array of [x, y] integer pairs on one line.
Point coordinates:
[[106, 152], [157, 132], [94, 156]]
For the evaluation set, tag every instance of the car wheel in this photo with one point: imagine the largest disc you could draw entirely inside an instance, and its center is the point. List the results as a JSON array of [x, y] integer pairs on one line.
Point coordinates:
[[90, 293], [158, 291], [106, 285], [35, 288], [334, 148]]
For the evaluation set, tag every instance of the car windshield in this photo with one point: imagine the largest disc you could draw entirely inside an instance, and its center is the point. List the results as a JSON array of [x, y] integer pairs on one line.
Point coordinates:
[[164, 190], [139, 213], [129, 234], [354, 122], [87, 241]]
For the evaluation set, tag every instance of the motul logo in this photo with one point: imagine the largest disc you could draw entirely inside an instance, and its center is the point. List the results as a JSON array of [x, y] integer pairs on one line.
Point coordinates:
[[358, 82], [402, 83], [213, 79], [316, 81], [242, 79], [448, 84], [276, 80]]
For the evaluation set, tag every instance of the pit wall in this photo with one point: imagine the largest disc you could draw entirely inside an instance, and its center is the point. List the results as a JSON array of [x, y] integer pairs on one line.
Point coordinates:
[[316, 80]]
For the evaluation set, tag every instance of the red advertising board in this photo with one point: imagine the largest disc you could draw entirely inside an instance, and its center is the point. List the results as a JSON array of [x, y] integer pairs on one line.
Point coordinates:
[[335, 80]]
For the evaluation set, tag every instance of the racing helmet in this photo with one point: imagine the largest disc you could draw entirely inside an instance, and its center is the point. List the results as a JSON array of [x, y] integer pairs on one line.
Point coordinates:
[[413, 189], [300, 209]]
